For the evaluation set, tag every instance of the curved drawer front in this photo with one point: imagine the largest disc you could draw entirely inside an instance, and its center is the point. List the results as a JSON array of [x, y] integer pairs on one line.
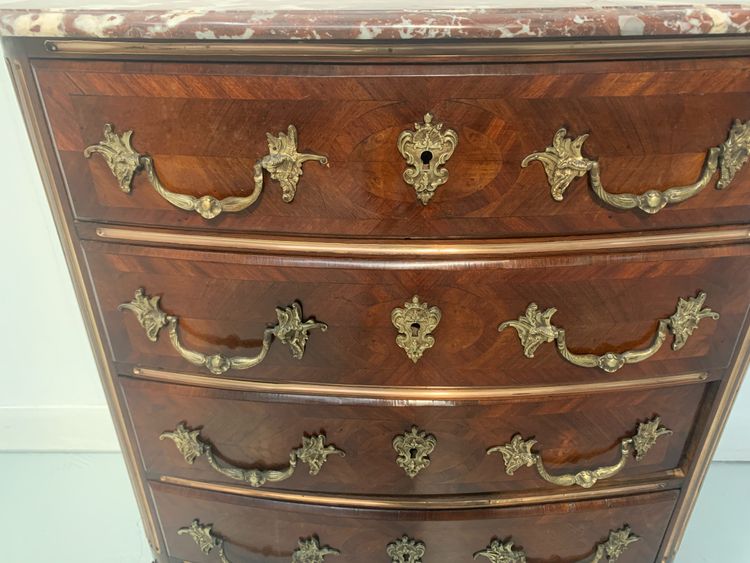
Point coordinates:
[[199, 143], [246, 531], [270, 319], [232, 437]]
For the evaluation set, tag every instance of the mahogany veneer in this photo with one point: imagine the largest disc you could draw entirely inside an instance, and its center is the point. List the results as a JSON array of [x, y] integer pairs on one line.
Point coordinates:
[[205, 125], [479, 250], [268, 532]]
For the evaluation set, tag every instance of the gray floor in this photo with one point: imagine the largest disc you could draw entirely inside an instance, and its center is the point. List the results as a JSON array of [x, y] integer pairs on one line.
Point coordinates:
[[78, 508]]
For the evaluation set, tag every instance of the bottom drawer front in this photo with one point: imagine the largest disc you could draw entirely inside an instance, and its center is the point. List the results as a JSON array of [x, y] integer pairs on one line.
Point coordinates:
[[244, 530]]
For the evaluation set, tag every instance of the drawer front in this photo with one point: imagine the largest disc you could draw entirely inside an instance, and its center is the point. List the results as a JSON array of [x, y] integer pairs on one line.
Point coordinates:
[[204, 127], [411, 450], [262, 531], [226, 303]]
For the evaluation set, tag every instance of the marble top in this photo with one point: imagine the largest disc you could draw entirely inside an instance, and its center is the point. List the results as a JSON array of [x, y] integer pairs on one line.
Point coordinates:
[[366, 20]]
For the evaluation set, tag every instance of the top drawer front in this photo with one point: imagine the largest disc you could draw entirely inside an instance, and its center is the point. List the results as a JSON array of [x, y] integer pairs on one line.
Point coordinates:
[[651, 124]]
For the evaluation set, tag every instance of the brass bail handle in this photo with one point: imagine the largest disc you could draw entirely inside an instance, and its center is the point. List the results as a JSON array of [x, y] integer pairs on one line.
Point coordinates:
[[283, 163], [563, 161], [290, 330]]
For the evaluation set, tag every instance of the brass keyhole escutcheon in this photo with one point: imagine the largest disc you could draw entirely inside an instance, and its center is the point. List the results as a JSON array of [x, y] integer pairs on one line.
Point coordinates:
[[415, 323], [414, 448], [426, 149]]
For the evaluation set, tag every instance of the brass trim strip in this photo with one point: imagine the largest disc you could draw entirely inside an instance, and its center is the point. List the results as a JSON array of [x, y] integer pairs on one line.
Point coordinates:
[[411, 393], [519, 50], [427, 248], [45, 164], [431, 503]]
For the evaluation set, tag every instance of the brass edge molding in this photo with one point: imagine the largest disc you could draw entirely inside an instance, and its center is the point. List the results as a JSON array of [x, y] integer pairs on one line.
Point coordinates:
[[658, 482], [412, 393], [520, 50], [686, 504], [427, 248], [45, 164]]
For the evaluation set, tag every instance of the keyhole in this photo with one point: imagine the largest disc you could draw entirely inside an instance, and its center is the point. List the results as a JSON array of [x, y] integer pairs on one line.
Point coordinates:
[[413, 453], [426, 157], [415, 329]]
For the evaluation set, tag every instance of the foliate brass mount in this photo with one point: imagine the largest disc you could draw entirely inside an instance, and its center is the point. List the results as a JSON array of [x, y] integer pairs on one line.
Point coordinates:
[[564, 161], [415, 323], [310, 551], [426, 149], [414, 449], [406, 550], [289, 330], [206, 540], [502, 552], [283, 163], [609, 550], [535, 327], [314, 452], [517, 453]]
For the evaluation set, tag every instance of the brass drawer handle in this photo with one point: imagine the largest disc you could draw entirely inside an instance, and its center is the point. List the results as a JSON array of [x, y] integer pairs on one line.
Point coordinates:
[[282, 162], [204, 536], [517, 453], [309, 549], [290, 330], [535, 328], [609, 550], [314, 452], [563, 162]]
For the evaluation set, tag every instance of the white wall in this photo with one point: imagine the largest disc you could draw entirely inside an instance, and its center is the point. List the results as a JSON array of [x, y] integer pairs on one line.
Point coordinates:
[[50, 395]]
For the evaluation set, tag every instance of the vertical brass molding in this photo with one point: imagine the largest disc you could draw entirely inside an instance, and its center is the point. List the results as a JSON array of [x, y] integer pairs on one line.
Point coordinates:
[[717, 419], [46, 165]]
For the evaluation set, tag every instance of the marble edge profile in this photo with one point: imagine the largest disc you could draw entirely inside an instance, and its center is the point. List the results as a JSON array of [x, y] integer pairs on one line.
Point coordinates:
[[371, 25]]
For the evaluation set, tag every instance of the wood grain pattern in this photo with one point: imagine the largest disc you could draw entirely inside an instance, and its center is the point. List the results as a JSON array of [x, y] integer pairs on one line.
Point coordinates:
[[573, 433], [651, 123], [262, 531], [605, 302]]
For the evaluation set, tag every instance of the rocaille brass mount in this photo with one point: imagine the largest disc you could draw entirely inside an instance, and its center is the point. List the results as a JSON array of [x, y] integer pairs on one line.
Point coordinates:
[[283, 163], [564, 161], [415, 323], [414, 448], [314, 452], [609, 550], [290, 330], [308, 550], [535, 327], [426, 149], [406, 550], [517, 453]]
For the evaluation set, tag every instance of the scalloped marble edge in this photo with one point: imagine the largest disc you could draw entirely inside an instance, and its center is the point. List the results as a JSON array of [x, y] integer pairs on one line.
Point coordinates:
[[229, 23]]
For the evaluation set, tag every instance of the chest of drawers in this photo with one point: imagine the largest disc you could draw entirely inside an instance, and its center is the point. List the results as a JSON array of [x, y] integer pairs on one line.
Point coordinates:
[[361, 291]]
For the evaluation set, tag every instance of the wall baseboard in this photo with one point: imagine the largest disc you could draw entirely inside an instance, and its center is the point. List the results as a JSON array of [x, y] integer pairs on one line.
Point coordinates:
[[57, 429]]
